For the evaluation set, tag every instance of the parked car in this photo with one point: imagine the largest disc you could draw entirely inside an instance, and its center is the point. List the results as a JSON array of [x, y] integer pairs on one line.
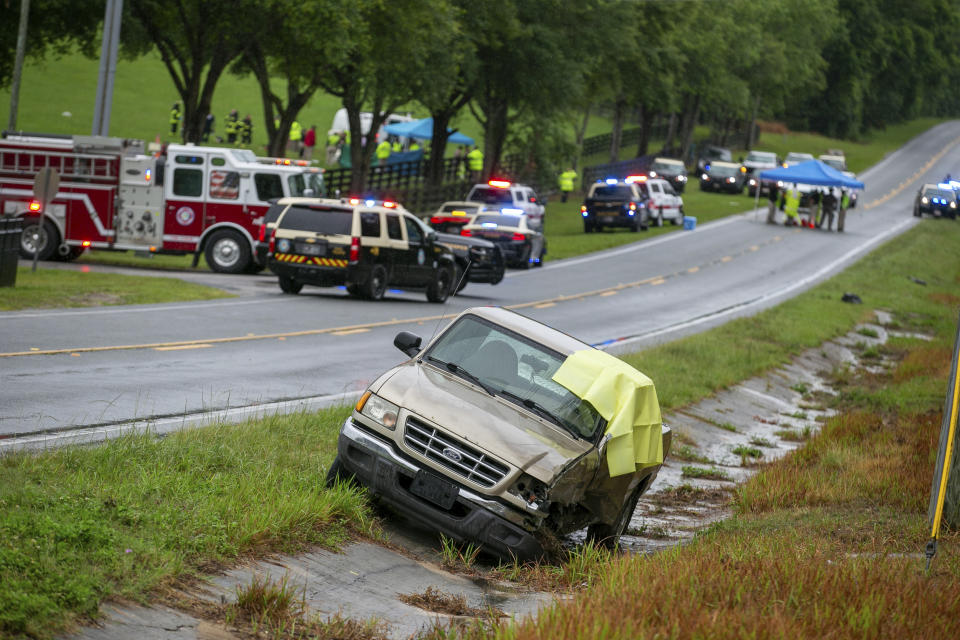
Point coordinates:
[[723, 176], [710, 154], [451, 216], [936, 200], [488, 435], [364, 244], [796, 157], [521, 246], [662, 203], [756, 162], [670, 170], [511, 199], [616, 203]]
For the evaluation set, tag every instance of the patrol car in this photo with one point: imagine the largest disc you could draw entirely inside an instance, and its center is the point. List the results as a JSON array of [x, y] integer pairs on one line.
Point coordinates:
[[757, 162], [615, 203], [450, 217], [660, 200], [512, 199], [938, 200], [722, 176], [366, 245], [670, 170], [521, 246]]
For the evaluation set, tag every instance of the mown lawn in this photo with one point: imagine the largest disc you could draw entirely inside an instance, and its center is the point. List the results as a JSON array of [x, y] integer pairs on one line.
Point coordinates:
[[54, 288], [78, 526]]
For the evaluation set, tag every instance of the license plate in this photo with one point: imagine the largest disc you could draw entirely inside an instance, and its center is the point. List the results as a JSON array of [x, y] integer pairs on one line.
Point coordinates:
[[609, 219], [435, 489], [306, 249]]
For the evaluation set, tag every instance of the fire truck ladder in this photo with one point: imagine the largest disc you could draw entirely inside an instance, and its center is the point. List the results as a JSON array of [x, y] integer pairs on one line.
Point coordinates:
[[84, 167]]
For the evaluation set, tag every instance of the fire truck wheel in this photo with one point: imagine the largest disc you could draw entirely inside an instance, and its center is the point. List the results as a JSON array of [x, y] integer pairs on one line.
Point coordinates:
[[72, 254], [227, 252], [45, 244], [289, 285]]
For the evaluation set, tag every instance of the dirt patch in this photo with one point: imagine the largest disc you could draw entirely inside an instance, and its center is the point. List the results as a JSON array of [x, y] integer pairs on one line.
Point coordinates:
[[455, 605], [947, 299], [769, 126]]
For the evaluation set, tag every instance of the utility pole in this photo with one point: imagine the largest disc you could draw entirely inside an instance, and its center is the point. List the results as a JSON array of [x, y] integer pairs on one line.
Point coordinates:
[[18, 64], [108, 67]]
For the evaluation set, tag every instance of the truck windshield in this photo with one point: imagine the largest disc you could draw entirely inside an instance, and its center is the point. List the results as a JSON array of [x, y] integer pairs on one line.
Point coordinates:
[[723, 171], [612, 193], [517, 369]]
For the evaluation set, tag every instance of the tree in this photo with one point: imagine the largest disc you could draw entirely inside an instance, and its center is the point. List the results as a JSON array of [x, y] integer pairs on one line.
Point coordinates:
[[197, 41], [312, 32]]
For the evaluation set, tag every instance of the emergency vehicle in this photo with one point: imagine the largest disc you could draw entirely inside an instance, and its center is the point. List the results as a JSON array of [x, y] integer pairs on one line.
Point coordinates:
[[112, 195]]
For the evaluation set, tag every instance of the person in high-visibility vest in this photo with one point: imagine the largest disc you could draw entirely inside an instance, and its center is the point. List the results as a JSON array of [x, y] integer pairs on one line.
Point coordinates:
[[396, 147], [566, 183], [383, 152], [230, 125], [296, 135], [246, 129], [844, 205], [414, 146], [791, 207], [475, 162], [174, 118]]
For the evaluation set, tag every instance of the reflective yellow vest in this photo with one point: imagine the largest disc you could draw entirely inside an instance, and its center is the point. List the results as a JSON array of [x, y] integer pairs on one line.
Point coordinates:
[[566, 180], [475, 160], [175, 115], [383, 150], [791, 203], [414, 146], [296, 133], [397, 147]]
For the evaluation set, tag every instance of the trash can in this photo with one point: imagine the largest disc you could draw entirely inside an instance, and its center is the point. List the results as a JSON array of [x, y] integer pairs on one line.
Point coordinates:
[[10, 229], [689, 223]]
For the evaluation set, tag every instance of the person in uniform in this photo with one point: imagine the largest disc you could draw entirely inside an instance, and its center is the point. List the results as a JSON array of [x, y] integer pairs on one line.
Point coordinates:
[[230, 126], [174, 118], [566, 181], [207, 128], [475, 163], [246, 130]]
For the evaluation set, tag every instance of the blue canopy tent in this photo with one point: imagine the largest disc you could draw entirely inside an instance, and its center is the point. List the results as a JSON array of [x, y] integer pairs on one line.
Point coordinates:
[[812, 172], [423, 130]]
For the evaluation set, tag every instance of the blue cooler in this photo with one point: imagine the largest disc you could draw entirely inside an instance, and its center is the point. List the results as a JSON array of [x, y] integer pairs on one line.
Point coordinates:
[[689, 223]]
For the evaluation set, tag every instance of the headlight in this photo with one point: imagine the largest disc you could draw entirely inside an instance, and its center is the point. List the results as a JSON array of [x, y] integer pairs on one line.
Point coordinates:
[[376, 408], [704, 176], [924, 200], [731, 179], [753, 182], [682, 178], [953, 205], [283, 245]]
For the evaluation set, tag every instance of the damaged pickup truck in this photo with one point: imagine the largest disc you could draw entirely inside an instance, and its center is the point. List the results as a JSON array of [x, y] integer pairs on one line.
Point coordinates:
[[506, 432]]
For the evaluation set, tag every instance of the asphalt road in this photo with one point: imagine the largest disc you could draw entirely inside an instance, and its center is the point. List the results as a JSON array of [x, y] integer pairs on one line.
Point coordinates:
[[104, 369]]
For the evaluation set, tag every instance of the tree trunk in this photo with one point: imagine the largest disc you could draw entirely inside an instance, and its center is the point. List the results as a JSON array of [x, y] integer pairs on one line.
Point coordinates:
[[581, 134], [494, 136], [438, 147], [751, 124], [619, 107], [671, 133], [646, 122], [691, 122]]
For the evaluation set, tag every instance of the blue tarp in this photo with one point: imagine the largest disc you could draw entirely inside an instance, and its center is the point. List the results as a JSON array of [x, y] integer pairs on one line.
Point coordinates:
[[812, 172], [423, 130]]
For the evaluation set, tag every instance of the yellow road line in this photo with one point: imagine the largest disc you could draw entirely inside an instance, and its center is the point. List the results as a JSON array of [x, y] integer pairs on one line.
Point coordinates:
[[545, 305], [726, 258], [182, 347], [693, 269], [657, 282], [350, 332], [608, 293]]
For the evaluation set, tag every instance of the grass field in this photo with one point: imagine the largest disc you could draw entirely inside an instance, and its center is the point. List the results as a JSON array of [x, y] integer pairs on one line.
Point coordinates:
[[54, 288], [78, 526]]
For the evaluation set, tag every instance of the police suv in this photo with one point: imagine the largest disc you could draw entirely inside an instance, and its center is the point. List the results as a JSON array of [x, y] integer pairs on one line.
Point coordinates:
[[366, 245], [511, 199]]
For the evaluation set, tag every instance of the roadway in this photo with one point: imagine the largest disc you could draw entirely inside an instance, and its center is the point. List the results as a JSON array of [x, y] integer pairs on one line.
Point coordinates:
[[104, 369]]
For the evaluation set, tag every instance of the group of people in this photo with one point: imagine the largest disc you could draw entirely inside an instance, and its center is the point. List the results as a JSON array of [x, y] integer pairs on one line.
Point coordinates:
[[237, 131], [812, 210]]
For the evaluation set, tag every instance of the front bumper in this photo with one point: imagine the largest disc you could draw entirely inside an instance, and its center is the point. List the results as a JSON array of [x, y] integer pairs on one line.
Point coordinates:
[[618, 218], [938, 211], [473, 518]]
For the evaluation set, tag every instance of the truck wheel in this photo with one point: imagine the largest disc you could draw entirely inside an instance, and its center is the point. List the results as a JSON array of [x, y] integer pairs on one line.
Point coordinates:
[[439, 288], [376, 284], [608, 536], [587, 227], [72, 254], [227, 252], [635, 226], [46, 242], [337, 474], [289, 285], [916, 211]]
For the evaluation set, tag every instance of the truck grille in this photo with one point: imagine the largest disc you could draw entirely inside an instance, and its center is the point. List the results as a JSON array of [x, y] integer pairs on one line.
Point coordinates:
[[445, 450]]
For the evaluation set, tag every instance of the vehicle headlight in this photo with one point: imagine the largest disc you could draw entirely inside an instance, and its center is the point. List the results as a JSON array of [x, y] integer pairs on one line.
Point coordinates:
[[704, 176], [924, 200], [283, 245], [731, 179], [682, 178], [378, 409], [953, 205], [531, 491]]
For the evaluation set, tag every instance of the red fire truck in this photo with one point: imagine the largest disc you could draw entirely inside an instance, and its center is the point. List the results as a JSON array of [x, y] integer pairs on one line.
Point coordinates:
[[185, 199]]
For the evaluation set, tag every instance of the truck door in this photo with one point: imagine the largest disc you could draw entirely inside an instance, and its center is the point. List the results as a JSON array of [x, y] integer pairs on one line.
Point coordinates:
[[223, 188], [417, 265], [185, 210]]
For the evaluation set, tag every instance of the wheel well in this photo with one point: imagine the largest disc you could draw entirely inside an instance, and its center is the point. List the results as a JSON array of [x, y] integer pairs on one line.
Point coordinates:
[[227, 226]]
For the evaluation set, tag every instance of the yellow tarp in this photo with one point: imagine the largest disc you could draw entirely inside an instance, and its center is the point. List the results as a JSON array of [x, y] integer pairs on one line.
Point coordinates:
[[626, 398]]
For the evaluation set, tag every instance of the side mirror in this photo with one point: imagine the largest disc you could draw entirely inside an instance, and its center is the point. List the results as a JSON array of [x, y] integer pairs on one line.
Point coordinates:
[[432, 235], [408, 343]]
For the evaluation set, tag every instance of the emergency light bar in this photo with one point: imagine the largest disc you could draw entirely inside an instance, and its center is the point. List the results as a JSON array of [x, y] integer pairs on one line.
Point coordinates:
[[499, 184], [632, 179]]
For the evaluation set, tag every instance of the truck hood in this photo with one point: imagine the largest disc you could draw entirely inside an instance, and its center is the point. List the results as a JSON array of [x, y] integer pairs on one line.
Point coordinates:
[[492, 424]]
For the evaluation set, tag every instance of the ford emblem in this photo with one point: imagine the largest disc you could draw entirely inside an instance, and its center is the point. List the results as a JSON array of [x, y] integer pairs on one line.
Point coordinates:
[[452, 454]]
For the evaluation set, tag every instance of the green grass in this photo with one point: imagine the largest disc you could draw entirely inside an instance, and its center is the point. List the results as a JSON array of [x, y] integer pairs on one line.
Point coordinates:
[[79, 525], [54, 288], [711, 473]]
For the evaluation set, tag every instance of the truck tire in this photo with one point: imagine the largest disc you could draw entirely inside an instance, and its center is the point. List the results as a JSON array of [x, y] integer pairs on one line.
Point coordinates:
[[607, 535], [376, 284], [47, 241], [289, 285], [337, 473], [227, 252], [72, 254], [440, 287]]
